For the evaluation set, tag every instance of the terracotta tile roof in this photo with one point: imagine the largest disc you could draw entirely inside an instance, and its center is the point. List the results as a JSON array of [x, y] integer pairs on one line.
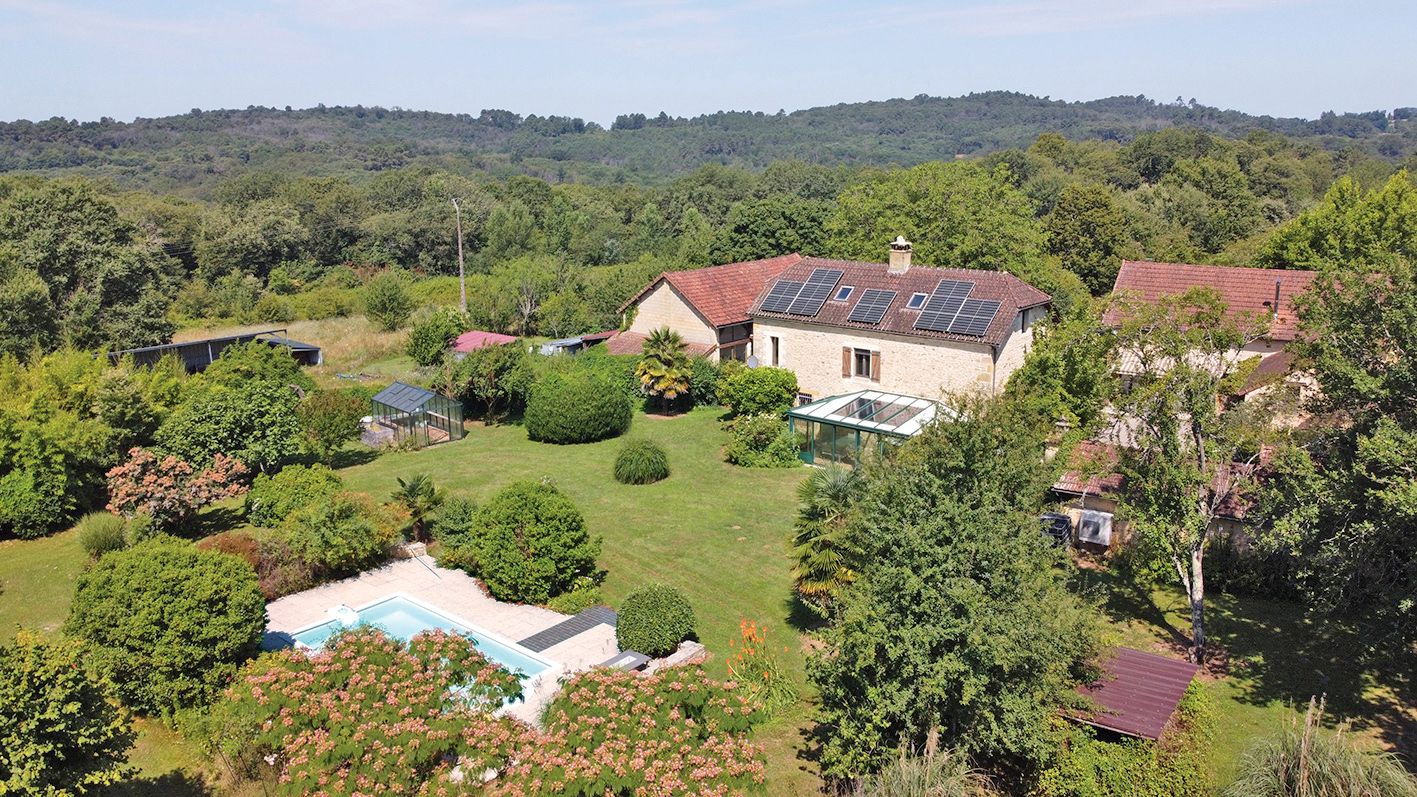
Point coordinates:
[[634, 343], [1092, 470], [1013, 294], [1137, 693], [722, 294], [477, 339], [1244, 290]]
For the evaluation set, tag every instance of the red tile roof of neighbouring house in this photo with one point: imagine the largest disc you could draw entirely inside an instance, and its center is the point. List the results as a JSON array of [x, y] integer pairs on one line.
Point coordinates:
[[1137, 693], [1092, 471], [1244, 290], [477, 339], [634, 343], [1012, 293], [722, 294]]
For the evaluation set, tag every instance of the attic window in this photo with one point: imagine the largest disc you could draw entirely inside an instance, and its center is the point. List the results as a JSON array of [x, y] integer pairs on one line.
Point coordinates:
[[917, 301], [843, 293]]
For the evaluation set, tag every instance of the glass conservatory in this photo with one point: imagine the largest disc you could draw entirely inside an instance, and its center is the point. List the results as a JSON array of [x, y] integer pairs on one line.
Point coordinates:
[[843, 428]]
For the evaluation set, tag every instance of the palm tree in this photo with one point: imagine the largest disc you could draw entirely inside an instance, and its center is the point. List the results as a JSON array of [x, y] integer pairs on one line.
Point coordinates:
[[663, 368], [421, 499], [823, 566]]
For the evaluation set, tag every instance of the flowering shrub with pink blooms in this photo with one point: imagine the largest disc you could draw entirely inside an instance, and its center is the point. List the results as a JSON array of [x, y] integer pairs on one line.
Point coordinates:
[[369, 714], [170, 490], [617, 733]]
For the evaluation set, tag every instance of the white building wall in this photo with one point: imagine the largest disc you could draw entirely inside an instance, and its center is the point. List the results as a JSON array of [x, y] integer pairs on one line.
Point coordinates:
[[914, 366], [664, 307]]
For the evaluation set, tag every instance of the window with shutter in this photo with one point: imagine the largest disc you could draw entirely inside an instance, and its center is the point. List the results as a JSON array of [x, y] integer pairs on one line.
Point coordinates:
[[875, 366]]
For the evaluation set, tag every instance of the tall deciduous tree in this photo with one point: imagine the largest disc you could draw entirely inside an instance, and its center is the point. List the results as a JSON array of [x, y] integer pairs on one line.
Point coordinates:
[[1088, 231], [62, 732], [1185, 461], [959, 628]]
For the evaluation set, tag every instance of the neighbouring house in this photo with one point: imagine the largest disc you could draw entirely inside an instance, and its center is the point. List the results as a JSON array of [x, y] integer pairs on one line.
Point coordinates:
[[708, 307], [1090, 490], [1247, 292], [475, 339], [1136, 693], [847, 326], [196, 355], [574, 345]]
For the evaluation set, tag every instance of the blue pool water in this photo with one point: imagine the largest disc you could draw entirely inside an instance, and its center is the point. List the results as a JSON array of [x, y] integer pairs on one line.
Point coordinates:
[[403, 619]]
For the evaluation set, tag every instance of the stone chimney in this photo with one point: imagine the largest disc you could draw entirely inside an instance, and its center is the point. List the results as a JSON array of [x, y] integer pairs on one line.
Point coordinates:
[[900, 256]]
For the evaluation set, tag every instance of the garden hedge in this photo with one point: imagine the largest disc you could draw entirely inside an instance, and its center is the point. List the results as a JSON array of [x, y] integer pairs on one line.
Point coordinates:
[[757, 391], [168, 624], [654, 620], [273, 498], [575, 407]]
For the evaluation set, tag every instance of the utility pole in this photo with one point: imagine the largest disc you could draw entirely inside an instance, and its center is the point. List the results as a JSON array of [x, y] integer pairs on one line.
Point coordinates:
[[462, 277]]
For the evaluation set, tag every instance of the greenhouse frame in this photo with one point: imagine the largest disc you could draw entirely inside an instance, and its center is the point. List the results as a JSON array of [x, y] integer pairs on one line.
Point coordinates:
[[417, 416], [841, 428]]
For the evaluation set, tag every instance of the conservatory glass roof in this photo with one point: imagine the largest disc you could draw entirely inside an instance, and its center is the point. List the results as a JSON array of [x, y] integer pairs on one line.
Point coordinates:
[[871, 411]]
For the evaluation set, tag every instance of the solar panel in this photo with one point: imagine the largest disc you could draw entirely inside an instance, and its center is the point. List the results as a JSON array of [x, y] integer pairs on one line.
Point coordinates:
[[944, 303], [819, 286], [781, 296], [974, 318], [872, 306]]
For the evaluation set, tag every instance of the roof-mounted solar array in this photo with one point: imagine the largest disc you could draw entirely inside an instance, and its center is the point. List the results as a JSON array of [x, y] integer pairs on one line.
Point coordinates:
[[974, 318], [943, 305], [781, 296], [872, 306], [951, 310], [816, 290]]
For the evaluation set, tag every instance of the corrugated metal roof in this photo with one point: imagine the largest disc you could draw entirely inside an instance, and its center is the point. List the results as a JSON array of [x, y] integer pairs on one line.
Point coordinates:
[[404, 397], [1137, 693]]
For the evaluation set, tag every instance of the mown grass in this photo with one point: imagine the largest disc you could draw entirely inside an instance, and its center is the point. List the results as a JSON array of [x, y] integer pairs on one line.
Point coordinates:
[[721, 534]]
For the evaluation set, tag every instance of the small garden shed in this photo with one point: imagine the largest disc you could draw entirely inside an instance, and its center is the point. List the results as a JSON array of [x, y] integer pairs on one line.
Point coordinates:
[[839, 428], [408, 413]]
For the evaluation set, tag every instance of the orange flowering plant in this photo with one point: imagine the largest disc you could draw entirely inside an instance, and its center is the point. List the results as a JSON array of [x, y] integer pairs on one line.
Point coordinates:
[[755, 667]]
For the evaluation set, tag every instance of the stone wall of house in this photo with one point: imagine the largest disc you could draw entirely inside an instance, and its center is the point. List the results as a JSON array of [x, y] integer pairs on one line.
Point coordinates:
[[664, 307], [914, 366]]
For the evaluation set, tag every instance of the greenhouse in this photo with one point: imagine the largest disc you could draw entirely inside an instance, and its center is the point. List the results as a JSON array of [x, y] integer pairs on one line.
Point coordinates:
[[841, 428], [403, 413]]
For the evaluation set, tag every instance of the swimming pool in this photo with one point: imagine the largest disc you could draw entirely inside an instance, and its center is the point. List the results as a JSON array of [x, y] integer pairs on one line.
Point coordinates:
[[404, 618]]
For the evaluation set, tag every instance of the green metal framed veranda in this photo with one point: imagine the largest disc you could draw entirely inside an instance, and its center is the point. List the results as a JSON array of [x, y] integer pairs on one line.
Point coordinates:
[[416, 414], [840, 428]]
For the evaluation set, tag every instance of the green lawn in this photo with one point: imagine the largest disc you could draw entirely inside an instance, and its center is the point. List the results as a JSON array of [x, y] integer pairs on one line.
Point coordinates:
[[1276, 660], [721, 534], [718, 532]]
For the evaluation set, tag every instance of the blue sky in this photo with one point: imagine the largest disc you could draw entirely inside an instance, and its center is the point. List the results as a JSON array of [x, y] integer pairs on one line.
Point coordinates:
[[596, 59]]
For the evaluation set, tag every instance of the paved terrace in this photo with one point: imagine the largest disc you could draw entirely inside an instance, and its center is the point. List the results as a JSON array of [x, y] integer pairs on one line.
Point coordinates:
[[455, 593]]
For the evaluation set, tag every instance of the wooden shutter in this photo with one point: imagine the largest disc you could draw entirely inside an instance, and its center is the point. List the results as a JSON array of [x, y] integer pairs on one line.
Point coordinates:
[[845, 362], [875, 366]]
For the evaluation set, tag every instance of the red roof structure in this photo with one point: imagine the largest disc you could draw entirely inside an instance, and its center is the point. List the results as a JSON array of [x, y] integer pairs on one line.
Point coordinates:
[[1012, 293], [1137, 693], [722, 294], [477, 339], [1244, 290], [634, 343], [1092, 470]]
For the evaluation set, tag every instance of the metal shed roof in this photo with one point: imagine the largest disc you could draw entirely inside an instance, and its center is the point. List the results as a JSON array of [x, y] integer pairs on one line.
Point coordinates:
[[1137, 693], [404, 397], [871, 411]]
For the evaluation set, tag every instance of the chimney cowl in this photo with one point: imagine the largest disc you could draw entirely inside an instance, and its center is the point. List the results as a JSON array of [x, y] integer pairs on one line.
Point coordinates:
[[900, 256]]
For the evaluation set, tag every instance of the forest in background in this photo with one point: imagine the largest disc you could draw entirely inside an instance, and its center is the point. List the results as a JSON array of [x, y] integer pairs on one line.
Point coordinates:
[[192, 153]]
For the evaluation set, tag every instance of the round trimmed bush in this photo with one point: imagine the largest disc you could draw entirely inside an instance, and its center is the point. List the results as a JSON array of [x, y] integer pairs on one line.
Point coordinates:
[[654, 620], [273, 498], [168, 624], [575, 407], [641, 462], [530, 543], [758, 391], [101, 532], [338, 534]]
